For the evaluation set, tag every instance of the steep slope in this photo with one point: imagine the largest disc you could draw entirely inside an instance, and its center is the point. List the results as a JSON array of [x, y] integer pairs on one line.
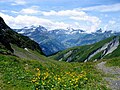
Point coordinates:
[[104, 49], [8, 37]]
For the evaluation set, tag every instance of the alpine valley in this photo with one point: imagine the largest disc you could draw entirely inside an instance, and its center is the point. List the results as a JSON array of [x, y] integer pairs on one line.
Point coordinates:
[[53, 41], [92, 64]]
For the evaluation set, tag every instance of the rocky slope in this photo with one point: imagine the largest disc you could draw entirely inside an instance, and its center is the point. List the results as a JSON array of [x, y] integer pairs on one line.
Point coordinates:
[[104, 49], [114, 82]]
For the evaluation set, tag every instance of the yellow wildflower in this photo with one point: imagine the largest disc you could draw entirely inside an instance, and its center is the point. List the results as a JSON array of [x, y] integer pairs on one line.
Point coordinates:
[[33, 80], [85, 78], [37, 69]]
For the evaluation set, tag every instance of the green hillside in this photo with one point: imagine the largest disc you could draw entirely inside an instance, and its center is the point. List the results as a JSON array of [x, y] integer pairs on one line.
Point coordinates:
[[46, 74], [42, 73], [81, 53]]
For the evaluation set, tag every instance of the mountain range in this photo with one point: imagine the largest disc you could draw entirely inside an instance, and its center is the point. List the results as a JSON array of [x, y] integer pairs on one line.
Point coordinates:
[[56, 40], [52, 41]]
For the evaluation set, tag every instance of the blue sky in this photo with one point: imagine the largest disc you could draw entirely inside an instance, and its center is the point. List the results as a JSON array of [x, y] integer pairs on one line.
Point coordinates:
[[88, 15]]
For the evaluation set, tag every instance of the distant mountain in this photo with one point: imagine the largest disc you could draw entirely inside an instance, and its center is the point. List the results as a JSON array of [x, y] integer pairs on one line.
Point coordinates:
[[8, 37], [41, 35], [108, 48], [52, 41]]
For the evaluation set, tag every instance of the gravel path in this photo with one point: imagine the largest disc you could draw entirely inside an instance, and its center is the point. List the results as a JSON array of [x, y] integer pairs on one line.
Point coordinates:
[[114, 75]]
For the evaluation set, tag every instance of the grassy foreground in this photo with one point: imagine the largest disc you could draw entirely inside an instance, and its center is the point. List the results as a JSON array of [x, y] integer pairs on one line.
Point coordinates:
[[113, 62], [21, 74]]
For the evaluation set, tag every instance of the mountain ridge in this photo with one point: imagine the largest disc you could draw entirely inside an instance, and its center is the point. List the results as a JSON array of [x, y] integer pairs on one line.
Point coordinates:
[[8, 37], [63, 38]]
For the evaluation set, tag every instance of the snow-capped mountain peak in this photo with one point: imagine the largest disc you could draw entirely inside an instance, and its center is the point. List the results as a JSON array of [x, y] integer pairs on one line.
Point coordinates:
[[41, 28], [74, 31], [31, 29]]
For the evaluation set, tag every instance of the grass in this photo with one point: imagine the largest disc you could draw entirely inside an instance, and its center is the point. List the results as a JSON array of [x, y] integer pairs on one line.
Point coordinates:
[[115, 53], [97, 56], [23, 74], [113, 62], [3, 49]]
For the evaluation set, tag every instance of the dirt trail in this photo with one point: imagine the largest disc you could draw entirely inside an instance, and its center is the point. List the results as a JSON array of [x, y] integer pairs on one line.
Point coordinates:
[[114, 75]]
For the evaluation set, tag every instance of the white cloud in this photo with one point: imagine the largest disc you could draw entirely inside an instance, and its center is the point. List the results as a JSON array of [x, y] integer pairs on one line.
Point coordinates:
[[103, 8], [95, 22], [64, 13], [58, 25], [92, 19], [4, 11], [112, 25], [15, 2], [78, 16], [21, 21], [19, 2], [30, 10], [74, 15], [15, 12], [7, 18], [112, 22]]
